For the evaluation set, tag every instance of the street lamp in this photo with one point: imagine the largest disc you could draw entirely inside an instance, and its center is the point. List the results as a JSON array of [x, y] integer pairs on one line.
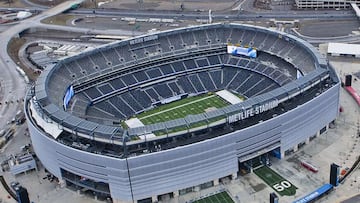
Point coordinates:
[[95, 5], [140, 2]]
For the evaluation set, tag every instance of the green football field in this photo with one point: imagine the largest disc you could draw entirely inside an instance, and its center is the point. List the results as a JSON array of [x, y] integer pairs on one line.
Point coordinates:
[[282, 186], [222, 197], [180, 109]]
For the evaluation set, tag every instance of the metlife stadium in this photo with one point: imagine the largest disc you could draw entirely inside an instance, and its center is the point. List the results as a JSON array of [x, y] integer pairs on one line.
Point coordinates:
[[77, 108]]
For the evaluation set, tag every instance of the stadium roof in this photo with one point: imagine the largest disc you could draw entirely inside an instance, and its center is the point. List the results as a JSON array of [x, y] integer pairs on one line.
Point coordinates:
[[56, 113]]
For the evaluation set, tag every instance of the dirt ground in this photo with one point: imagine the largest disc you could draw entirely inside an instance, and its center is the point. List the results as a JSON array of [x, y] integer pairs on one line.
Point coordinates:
[[47, 2], [176, 5], [13, 3], [13, 49], [170, 5]]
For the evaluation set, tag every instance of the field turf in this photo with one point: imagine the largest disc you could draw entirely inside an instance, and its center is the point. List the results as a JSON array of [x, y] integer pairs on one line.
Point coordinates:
[[222, 197], [181, 108], [282, 186]]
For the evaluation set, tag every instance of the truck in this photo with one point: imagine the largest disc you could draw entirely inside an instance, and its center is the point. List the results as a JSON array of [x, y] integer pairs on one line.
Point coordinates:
[[19, 117], [5, 135]]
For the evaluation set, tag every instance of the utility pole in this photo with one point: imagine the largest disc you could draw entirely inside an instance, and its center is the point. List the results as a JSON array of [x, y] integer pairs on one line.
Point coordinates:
[[140, 2], [95, 6]]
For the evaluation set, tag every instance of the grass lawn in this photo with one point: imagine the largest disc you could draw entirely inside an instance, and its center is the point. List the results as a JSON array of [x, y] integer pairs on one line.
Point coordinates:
[[282, 186], [180, 109], [222, 197]]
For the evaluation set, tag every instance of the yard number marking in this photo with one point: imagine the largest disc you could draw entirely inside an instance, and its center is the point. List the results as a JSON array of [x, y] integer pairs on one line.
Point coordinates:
[[282, 185]]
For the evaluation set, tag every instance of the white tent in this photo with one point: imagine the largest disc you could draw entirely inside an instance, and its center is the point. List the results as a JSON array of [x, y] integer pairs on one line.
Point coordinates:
[[23, 14], [339, 49]]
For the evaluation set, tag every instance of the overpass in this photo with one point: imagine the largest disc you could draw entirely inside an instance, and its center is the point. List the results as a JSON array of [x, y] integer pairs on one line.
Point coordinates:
[[12, 84]]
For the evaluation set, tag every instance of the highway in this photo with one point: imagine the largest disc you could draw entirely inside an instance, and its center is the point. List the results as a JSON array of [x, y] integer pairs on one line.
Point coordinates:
[[230, 15], [13, 86]]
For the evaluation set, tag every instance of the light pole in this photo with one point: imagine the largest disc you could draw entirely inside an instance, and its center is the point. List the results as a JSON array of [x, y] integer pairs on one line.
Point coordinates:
[[95, 5], [140, 2]]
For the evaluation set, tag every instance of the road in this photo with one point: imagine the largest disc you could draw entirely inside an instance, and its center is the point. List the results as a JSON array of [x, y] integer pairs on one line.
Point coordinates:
[[339, 39], [13, 86], [216, 17], [230, 15]]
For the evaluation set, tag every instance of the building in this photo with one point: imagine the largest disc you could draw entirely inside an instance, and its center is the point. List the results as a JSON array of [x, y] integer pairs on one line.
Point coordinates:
[[77, 106], [337, 4]]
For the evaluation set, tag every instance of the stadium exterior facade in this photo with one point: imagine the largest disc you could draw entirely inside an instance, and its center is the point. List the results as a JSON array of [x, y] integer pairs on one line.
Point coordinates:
[[299, 110]]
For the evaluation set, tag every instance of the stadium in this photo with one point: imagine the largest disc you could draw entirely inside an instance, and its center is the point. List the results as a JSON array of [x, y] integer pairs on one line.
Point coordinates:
[[177, 111]]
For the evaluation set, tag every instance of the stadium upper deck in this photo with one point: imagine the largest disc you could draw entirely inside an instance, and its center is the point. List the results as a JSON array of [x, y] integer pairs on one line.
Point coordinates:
[[109, 78], [293, 94]]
